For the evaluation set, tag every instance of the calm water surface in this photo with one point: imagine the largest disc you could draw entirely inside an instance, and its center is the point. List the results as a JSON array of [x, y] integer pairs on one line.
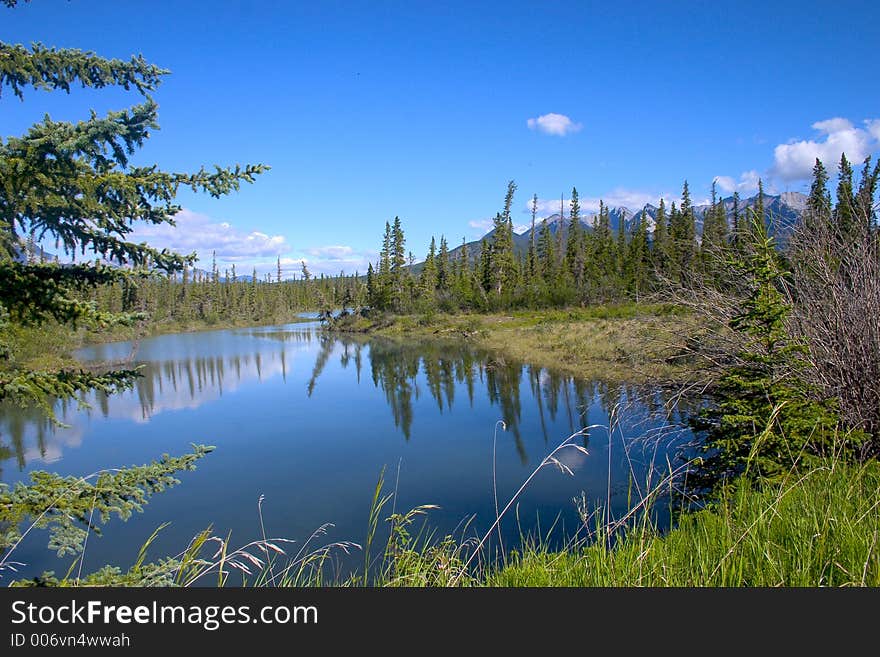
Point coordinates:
[[309, 421]]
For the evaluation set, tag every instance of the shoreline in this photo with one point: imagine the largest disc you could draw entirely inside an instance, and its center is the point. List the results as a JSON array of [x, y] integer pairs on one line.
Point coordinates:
[[52, 346], [628, 343]]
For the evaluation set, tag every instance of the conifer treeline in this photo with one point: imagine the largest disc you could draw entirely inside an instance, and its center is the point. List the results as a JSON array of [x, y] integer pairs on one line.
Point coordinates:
[[566, 266], [200, 296], [572, 264]]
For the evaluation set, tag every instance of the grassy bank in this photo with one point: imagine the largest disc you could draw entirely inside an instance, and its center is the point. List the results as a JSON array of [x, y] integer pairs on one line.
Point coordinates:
[[818, 528], [623, 342], [821, 528]]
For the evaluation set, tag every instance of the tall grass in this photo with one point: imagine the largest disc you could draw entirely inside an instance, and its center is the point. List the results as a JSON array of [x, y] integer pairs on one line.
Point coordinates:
[[818, 528]]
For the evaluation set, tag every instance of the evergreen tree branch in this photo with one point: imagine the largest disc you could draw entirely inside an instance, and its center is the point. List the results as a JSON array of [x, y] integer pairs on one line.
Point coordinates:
[[64, 505], [38, 388], [58, 68], [118, 133], [33, 293]]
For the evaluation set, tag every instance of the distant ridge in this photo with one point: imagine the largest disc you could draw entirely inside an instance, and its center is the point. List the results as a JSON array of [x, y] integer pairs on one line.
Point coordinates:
[[780, 213]]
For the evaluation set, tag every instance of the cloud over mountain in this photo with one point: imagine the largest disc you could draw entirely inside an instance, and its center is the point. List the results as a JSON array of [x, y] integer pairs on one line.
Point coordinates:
[[747, 183]]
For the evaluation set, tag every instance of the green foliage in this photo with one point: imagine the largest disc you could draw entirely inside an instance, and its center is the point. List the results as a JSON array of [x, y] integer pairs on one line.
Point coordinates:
[[501, 263], [42, 388], [566, 263], [714, 240], [51, 68], [73, 182], [408, 559], [574, 249], [33, 293], [69, 506], [661, 251], [766, 419], [637, 264], [818, 212], [547, 254], [682, 234], [816, 529], [419, 560]]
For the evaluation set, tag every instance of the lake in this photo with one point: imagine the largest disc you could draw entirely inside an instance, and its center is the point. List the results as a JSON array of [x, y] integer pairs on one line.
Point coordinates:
[[309, 421]]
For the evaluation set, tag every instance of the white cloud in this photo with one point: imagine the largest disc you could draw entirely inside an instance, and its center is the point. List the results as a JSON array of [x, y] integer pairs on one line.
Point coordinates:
[[795, 160], [747, 183], [198, 232], [332, 252], [328, 260], [554, 124], [482, 226], [632, 199], [547, 207], [622, 197]]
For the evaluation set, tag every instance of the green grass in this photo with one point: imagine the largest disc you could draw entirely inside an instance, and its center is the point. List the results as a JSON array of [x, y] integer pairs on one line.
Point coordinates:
[[820, 528], [628, 342]]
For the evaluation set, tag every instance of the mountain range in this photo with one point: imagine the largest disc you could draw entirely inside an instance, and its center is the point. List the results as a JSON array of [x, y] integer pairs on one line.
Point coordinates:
[[780, 213]]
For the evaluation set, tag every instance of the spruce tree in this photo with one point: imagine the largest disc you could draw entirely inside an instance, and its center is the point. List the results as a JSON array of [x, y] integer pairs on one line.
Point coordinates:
[[714, 238], [865, 207], [660, 241], [638, 258], [547, 253], [502, 262], [574, 249], [371, 285], [384, 282], [463, 278], [398, 259], [765, 420], [605, 254], [428, 277], [252, 293], [735, 220], [682, 228], [532, 256], [444, 275], [74, 183], [621, 251], [759, 211], [844, 211], [819, 200], [560, 239], [485, 265]]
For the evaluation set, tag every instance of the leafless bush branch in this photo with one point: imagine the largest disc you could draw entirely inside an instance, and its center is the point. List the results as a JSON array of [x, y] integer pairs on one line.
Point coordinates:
[[835, 297]]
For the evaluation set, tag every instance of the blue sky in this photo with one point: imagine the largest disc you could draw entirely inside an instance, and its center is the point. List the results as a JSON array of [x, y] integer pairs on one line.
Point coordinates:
[[426, 109]]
